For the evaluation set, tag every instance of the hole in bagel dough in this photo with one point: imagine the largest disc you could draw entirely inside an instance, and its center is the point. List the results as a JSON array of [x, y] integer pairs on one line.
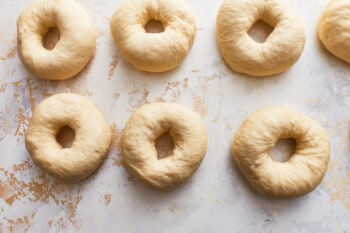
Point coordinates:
[[51, 38], [283, 150], [164, 146], [65, 136], [260, 31], [154, 26]]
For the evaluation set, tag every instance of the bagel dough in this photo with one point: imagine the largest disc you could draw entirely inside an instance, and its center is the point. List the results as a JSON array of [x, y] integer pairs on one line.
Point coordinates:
[[154, 52], [149, 122], [305, 168], [334, 28], [281, 49], [72, 51], [91, 143]]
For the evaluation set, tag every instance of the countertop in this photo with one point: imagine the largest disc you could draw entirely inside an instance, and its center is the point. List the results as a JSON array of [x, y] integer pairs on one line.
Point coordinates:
[[217, 198]]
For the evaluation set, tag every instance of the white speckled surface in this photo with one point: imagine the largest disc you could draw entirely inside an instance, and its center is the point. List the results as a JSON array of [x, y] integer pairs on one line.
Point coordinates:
[[217, 198]]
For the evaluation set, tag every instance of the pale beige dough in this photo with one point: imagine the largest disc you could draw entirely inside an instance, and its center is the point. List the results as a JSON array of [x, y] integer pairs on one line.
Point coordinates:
[[91, 143], [146, 124], [281, 49], [334, 28], [305, 168], [72, 52], [154, 52]]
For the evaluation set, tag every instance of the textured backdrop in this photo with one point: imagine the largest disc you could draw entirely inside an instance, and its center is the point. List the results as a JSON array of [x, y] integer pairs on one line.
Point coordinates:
[[217, 198]]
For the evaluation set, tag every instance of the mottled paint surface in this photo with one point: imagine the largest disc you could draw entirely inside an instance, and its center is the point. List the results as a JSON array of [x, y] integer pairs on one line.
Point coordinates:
[[217, 198]]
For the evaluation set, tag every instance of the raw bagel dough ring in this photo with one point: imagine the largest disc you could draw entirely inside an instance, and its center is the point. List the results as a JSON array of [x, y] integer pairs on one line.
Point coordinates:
[[305, 168], [91, 143], [334, 29], [154, 52], [149, 122], [74, 48], [282, 47]]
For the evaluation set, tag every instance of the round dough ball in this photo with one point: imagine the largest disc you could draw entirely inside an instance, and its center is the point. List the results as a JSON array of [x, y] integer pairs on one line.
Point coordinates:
[[305, 168], [74, 48], [334, 28], [154, 52], [149, 122], [281, 49], [91, 143]]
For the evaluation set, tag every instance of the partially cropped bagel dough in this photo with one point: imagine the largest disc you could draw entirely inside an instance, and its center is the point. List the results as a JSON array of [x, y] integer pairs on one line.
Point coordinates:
[[334, 28], [91, 143], [305, 168], [153, 52], [74, 49], [281, 49], [149, 122]]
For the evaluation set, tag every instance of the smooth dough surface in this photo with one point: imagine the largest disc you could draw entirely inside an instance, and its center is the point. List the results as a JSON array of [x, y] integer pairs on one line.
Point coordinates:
[[305, 168], [146, 124], [334, 28], [91, 143], [72, 52], [281, 49], [153, 52]]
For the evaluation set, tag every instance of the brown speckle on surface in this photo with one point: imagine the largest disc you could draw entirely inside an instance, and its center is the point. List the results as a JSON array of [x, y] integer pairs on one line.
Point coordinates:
[[31, 98], [160, 99], [138, 97], [78, 83], [21, 224], [175, 207], [24, 183], [22, 167], [216, 119], [185, 83], [38, 89], [3, 87], [107, 198], [5, 194], [228, 127], [116, 138], [131, 178], [144, 93], [17, 110], [200, 106], [115, 148], [10, 54], [59, 223], [36, 189], [22, 121], [99, 34], [112, 67], [116, 96], [338, 184], [118, 162], [72, 205], [173, 90]]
